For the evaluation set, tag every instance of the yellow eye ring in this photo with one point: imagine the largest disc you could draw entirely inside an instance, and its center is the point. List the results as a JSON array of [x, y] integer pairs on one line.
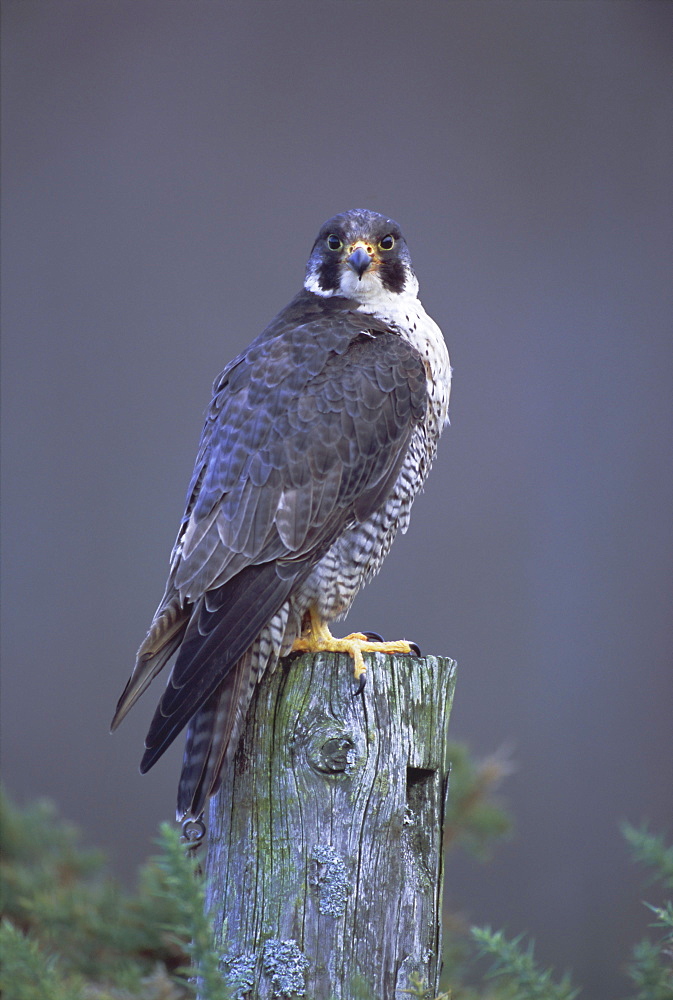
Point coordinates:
[[333, 242], [387, 243]]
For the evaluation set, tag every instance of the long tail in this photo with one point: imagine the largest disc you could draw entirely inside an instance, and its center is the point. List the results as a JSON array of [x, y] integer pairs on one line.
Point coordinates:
[[215, 729], [213, 734], [224, 644]]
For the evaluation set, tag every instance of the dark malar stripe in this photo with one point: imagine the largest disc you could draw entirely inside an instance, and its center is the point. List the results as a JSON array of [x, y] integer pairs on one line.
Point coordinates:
[[393, 275], [329, 275]]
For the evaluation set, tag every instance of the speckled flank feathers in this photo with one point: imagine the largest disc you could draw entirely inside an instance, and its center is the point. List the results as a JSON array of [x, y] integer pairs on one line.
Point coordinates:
[[318, 437]]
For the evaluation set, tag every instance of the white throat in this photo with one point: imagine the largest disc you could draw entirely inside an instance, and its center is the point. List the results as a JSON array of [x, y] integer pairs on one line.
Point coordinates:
[[373, 298]]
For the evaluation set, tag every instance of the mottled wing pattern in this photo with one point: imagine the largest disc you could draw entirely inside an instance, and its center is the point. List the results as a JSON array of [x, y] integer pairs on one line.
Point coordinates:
[[305, 436]]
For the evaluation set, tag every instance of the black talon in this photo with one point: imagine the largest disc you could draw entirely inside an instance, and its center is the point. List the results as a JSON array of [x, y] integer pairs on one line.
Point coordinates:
[[376, 637], [361, 685]]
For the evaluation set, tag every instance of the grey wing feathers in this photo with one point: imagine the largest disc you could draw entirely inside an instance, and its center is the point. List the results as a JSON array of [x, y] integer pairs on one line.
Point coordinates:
[[305, 435], [162, 640], [213, 643]]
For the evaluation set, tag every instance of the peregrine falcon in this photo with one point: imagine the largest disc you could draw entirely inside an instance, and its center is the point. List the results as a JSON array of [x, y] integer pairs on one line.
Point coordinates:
[[318, 437]]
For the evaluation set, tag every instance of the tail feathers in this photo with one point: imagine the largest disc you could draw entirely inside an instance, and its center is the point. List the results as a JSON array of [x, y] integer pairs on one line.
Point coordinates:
[[213, 735], [162, 640], [224, 625]]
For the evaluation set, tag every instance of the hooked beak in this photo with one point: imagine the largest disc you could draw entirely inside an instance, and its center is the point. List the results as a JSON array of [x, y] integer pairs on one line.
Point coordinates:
[[359, 261]]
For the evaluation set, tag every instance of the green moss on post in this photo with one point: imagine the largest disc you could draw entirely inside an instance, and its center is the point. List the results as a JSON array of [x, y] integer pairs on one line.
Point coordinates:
[[324, 861]]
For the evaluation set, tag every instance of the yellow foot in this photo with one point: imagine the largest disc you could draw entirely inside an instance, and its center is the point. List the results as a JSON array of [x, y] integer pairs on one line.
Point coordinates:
[[319, 639]]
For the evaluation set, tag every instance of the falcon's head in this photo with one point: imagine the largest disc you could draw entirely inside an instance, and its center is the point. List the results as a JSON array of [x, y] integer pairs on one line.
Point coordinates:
[[363, 256]]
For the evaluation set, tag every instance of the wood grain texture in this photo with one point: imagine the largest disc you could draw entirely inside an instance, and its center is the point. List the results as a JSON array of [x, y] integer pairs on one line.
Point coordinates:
[[324, 860]]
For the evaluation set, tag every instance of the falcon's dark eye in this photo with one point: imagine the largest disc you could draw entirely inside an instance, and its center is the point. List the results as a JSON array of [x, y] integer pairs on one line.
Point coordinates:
[[334, 243], [387, 243]]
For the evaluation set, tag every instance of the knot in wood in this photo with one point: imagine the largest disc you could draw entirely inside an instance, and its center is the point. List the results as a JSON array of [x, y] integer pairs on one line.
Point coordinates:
[[331, 751], [336, 754]]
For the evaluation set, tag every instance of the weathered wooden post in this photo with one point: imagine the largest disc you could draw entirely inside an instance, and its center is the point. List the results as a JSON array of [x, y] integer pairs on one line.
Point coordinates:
[[324, 859]]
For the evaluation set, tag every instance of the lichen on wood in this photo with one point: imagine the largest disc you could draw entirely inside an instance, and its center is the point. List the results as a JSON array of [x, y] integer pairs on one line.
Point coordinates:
[[325, 838]]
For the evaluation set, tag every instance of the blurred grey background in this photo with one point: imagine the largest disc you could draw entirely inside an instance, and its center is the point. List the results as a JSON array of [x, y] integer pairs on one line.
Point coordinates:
[[166, 166]]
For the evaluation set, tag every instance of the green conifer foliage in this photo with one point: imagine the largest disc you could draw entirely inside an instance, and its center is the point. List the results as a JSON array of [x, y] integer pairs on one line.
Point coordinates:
[[69, 932]]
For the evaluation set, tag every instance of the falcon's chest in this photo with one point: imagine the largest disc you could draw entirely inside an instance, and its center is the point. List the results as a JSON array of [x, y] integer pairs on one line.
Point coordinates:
[[357, 554], [407, 317]]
